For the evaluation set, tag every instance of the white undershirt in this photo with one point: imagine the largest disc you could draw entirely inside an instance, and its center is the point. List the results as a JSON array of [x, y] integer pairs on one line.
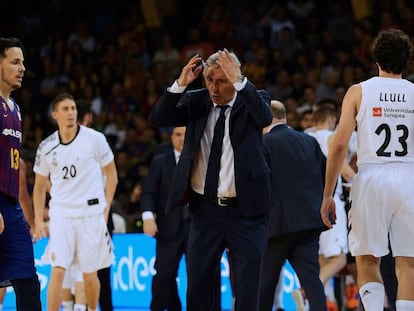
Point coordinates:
[[226, 185]]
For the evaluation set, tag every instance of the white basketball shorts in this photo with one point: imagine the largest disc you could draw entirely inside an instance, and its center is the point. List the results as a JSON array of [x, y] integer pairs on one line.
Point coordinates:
[[382, 205], [84, 240]]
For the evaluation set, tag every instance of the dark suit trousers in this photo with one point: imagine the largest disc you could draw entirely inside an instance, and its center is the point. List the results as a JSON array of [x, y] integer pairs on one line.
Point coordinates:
[[105, 295], [301, 249], [164, 284], [213, 229]]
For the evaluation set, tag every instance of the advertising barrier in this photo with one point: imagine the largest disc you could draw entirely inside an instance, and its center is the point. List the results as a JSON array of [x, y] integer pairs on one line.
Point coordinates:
[[132, 271]]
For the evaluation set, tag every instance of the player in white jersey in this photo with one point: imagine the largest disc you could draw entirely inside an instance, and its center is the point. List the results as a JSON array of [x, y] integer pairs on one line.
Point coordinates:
[[74, 158], [333, 243], [382, 108]]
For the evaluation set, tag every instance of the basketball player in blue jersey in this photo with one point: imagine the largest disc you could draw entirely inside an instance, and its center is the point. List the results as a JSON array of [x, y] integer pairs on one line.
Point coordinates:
[[16, 260]]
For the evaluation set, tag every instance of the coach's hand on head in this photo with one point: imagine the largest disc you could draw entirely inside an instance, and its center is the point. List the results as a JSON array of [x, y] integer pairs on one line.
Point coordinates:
[[229, 65], [191, 71]]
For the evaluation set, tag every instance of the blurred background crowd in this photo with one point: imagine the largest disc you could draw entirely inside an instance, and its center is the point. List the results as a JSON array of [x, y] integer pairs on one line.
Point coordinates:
[[120, 55]]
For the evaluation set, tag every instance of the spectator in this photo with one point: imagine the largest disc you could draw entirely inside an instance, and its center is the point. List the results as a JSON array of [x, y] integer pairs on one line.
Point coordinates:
[[169, 55]]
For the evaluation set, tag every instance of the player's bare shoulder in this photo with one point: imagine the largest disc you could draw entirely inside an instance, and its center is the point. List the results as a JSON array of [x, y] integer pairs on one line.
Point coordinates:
[[353, 97], [355, 91]]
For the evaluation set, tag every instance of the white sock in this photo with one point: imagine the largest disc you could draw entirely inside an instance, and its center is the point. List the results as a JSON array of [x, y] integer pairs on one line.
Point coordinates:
[[329, 291], [404, 305], [1, 306], [79, 307], [67, 305], [372, 295]]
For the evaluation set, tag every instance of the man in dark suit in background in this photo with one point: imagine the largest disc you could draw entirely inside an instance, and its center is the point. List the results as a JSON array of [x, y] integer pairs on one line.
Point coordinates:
[[297, 175], [171, 231], [230, 200]]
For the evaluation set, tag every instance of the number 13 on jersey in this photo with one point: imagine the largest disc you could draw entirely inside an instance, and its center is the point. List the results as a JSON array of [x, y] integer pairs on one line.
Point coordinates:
[[14, 158]]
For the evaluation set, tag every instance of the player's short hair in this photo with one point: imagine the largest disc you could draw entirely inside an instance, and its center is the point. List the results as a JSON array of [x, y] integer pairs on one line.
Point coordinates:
[[322, 112], [7, 43], [392, 50], [60, 97]]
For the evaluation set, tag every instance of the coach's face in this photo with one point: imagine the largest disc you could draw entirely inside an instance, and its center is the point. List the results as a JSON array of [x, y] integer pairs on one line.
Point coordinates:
[[221, 90], [66, 114]]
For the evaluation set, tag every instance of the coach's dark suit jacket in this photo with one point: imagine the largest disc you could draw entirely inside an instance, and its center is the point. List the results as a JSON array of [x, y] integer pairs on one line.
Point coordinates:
[[156, 187], [292, 155], [191, 109]]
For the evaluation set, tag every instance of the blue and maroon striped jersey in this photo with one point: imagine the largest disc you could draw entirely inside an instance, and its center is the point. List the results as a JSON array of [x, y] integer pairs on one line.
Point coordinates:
[[10, 141]]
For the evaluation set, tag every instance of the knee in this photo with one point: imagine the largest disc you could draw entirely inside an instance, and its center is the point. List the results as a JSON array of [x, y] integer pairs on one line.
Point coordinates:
[[90, 277], [58, 272], [404, 267]]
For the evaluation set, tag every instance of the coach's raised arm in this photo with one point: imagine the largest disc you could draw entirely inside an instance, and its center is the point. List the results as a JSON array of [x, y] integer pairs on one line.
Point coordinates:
[[221, 171]]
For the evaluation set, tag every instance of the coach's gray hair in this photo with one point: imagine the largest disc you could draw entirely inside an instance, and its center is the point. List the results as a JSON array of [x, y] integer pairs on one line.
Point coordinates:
[[212, 60]]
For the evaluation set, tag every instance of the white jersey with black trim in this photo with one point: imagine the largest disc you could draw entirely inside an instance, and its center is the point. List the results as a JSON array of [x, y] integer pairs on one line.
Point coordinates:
[[75, 171], [322, 137], [385, 121]]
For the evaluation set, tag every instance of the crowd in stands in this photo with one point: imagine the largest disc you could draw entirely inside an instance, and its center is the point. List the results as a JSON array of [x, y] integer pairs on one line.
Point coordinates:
[[120, 55]]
